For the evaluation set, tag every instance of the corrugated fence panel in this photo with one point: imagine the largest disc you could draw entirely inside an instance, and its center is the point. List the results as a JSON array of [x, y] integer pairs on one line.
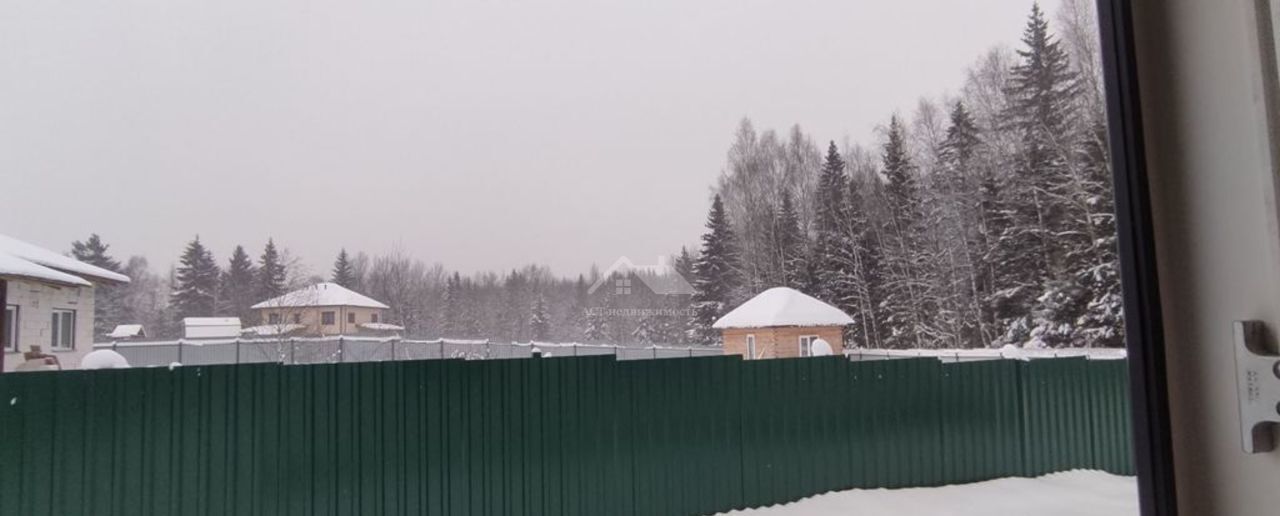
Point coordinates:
[[980, 421], [574, 436]]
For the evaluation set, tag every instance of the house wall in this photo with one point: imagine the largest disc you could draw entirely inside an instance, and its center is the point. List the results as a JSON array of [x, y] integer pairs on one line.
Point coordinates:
[[780, 342], [36, 302], [310, 316]]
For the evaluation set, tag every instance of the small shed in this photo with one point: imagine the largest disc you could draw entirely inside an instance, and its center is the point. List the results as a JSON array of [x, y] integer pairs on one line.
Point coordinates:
[[128, 331], [211, 327], [780, 323]]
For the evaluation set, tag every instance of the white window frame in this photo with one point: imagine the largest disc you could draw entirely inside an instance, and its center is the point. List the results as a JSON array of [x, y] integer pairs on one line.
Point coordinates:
[[56, 334], [751, 346], [806, 345], [11, 327]]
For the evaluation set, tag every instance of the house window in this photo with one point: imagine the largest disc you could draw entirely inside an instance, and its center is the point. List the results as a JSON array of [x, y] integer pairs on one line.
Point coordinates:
[[373, 317], [806, 345], [326, 318], [62, 334], [273, 318], [297, 318], [751, 346], [10, 336], [351, 318]]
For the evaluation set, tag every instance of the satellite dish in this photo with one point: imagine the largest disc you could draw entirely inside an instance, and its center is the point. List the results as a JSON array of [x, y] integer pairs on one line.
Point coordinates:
[[820, 348]]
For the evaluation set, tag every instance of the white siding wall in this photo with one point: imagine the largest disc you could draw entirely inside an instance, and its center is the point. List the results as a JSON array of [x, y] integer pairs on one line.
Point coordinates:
[[36, 302]]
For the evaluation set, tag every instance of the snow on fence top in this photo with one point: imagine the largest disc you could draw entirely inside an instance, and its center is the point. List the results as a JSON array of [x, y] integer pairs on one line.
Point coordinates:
[[21, 259], [381, 326], [782, 306], [1009, 352], [321, 294]]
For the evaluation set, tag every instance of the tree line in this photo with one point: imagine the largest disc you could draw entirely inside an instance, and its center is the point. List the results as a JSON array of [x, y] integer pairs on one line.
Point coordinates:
[[528, 303], [984, 219]]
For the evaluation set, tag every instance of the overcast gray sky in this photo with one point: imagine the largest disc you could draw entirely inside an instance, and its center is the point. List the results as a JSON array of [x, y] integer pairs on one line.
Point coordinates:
[[481, 134]]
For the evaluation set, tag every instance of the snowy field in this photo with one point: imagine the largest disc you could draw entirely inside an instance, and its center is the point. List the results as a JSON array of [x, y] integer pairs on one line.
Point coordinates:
[[1071, 493]]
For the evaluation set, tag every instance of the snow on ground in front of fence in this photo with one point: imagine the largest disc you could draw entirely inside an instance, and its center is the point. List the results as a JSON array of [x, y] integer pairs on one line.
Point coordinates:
[[1071, 493]]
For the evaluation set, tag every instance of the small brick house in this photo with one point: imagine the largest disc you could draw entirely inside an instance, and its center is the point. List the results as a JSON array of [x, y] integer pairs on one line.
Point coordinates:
[[782, 323]]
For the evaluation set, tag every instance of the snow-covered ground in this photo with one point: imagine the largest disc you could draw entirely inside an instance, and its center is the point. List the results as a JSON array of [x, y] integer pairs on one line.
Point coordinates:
[[1071, 493]]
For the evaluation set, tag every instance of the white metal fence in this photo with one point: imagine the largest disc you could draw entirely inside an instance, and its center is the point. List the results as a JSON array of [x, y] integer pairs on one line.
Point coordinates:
[[325, 350]]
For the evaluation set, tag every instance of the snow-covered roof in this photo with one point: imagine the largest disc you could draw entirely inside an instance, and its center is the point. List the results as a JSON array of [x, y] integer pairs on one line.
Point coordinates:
[[127, 330], [321, 294], [15, 249], [273, 329], [782, 306], [379, 326], [12, 266], [211, 321]]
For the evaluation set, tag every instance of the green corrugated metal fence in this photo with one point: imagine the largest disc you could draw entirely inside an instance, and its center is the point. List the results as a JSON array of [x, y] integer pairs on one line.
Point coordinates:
[[573, 436]]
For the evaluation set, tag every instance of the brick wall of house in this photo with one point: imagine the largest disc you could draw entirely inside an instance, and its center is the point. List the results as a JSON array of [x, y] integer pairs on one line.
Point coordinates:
[[780, 342], [36, 302]]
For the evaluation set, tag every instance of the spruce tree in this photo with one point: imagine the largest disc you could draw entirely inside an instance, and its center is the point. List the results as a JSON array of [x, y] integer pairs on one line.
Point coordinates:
[[577, 318], [271, 273], [790, 242], [451, 318], [829, 223], [1043, 235], [598, 327], [540, 320], [238, 287], [647, 330], [106, 297], [684, 264], [904, 305], [515, 307], [194, 291], [1097, 268], [93, 252], [716, 276], [683, 321], [343, 272], [1042, 91]]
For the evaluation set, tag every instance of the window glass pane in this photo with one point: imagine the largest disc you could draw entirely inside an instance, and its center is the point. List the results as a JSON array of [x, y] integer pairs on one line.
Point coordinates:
[[55, 329], [10, 333], [631, 180], [68, 330]]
